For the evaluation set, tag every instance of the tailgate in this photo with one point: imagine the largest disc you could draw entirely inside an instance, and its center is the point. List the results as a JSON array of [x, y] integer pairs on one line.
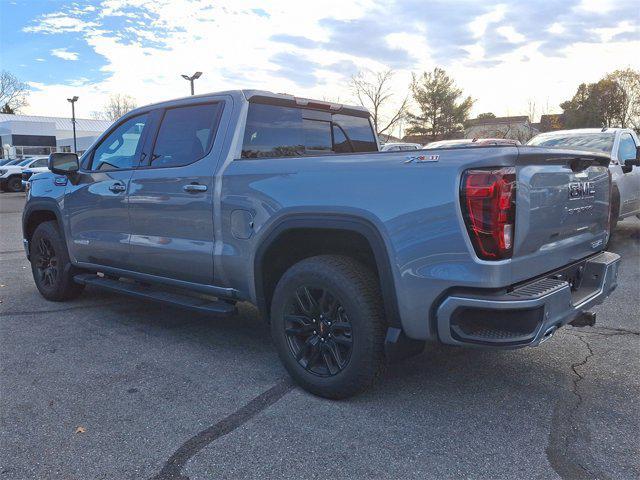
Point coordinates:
[[562, 206]]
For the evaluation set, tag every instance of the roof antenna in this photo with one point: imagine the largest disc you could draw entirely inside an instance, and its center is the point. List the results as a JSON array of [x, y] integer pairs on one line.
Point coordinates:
[[604, 129]]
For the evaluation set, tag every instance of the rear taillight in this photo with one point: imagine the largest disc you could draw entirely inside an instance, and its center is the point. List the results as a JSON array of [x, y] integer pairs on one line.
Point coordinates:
[[488, 199]]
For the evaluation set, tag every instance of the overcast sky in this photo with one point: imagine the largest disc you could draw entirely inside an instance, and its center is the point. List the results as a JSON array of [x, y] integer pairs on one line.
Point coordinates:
[[501, 53]]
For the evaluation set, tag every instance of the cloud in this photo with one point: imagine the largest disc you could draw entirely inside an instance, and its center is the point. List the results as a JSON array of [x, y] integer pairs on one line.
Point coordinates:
[[295, 40], [55, 23], [500, 52], [296, 68], [64, 54]]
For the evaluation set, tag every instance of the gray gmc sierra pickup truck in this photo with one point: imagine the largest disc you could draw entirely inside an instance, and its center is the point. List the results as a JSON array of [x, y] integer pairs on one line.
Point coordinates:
[[354, 256]]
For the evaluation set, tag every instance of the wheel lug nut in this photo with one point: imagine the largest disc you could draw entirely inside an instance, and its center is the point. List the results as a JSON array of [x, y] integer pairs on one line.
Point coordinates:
[[315, 333]]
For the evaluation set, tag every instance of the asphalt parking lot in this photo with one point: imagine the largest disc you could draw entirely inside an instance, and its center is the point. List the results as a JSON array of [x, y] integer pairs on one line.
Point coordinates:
[[106, 387]]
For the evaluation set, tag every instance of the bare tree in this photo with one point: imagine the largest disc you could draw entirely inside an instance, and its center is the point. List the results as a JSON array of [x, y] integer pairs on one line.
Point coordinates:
[[532, 110], [629, 82], [373, 91], [116, 107], [13, 93]]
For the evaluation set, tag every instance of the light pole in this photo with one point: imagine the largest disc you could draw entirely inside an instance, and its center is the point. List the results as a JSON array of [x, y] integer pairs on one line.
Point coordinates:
[[73, 120], [191, 78]]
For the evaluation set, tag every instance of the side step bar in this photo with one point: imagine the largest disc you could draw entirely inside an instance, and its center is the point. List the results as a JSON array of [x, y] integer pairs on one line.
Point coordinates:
[[198, 304]]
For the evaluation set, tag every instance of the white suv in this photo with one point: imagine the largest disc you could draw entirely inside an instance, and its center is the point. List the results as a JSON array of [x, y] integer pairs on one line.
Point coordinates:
[[621, 144], [11, 175]]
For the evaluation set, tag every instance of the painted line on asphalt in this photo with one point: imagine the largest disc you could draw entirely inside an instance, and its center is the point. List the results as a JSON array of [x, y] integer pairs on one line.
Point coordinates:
[[172, 469]]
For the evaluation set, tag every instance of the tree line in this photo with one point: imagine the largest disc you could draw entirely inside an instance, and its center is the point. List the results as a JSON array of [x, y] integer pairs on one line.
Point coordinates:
[[437, 109]]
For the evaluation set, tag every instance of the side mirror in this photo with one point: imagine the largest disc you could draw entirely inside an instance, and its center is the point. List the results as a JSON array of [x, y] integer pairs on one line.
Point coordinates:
[[628, 164], [64, 163]]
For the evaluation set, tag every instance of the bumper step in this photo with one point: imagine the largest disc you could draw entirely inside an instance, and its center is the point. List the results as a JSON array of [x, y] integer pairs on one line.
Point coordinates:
[[157, 294]]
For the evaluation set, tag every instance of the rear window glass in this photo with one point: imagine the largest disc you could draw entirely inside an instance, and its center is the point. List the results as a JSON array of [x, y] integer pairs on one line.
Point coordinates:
[[185, 135], [591, 142], [278, 131], [317, 135], [273, 132], [359, 132]]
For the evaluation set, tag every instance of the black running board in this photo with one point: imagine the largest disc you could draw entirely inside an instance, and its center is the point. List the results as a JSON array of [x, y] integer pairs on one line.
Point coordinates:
[[154, 294]]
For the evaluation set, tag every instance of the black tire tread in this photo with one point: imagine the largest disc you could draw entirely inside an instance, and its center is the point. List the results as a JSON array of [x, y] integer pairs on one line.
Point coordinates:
[[365, 290], [67, 289]]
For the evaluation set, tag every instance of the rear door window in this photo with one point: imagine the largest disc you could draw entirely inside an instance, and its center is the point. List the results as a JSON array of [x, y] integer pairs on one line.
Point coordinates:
[[185, 135]]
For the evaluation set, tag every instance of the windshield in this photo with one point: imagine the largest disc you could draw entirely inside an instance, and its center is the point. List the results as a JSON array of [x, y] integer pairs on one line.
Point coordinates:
[[24, 162], [591, 142]]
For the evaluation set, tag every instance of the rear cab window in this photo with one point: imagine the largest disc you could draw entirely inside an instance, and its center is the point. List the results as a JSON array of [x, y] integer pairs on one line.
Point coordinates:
[[274, 131]]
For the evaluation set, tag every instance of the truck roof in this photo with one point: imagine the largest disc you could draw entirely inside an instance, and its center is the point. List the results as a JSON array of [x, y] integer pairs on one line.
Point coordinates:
[[265, 96]]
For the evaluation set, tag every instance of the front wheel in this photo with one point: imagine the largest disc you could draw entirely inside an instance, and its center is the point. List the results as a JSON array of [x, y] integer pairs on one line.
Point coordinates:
[[50, 264], [328, 325]]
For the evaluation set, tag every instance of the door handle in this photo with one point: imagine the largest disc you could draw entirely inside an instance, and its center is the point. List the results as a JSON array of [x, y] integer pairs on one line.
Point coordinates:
[[194, 187], [118, 187]]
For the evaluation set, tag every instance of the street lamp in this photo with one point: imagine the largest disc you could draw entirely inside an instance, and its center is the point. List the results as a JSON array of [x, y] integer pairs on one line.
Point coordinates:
[[191, 78], [73, 121]]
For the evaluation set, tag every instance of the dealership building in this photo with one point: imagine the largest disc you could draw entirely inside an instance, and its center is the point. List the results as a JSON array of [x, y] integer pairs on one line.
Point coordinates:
[[25, 135]]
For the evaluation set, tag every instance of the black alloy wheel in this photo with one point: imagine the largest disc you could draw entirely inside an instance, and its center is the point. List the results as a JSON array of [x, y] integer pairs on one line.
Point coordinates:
[[50, 264], [318, 331], [46, 263]]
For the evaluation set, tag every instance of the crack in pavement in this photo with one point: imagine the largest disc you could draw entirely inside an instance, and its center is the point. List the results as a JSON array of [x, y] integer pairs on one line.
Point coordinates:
[[618, 331], [564, 430], [172, 469]]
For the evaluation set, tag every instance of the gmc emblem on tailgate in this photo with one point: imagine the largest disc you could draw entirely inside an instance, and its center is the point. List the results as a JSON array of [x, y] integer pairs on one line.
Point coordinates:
[[581, 190]]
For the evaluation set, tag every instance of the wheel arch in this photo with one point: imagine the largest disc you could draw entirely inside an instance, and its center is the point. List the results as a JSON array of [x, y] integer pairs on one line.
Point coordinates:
[[38, 212], [329, 223]]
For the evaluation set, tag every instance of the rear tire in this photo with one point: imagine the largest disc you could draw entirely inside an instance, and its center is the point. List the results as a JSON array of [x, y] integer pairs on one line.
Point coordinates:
[[50, 264], [327, 321], [614, 214]]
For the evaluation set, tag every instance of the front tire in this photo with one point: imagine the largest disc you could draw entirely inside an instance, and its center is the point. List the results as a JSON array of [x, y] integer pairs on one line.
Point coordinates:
[[327, 321], [50, 264]]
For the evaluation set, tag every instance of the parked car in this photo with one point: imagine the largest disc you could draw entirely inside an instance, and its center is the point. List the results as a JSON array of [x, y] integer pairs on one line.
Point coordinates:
[[354, 256], [12, 161], [471, 142], [11, 175], [397, 146], [27, 173], [620, 144]]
